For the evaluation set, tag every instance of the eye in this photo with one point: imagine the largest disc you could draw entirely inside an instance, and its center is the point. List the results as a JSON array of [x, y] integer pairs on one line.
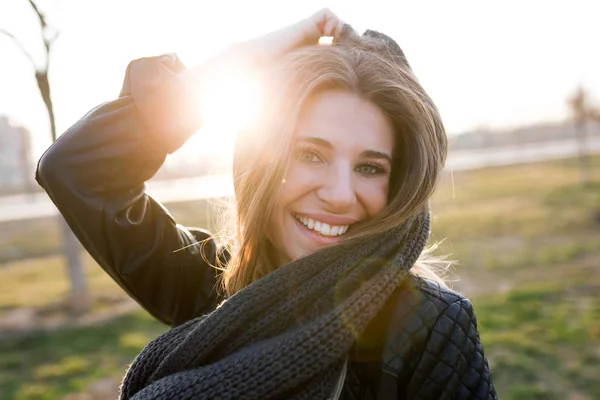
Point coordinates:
[[370, 169], [307, 156]]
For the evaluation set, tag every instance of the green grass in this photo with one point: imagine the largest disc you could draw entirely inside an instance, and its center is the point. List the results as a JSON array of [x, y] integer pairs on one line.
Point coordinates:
[[543, 340], [514, 220], [527, 238], [49, 366], [46, 277]]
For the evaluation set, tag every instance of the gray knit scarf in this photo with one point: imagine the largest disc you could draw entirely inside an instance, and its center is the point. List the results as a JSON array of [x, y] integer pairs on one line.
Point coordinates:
[[287, 335]]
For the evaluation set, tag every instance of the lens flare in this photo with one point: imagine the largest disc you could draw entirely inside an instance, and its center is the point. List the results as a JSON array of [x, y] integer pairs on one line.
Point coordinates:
[[231, 103]]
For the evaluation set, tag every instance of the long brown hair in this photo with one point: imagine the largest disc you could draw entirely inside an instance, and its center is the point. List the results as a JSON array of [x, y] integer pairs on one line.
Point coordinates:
[[262, 153]]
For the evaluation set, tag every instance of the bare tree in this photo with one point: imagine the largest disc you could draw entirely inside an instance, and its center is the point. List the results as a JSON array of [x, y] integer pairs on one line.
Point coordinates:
[[582, 112], [79, 297]]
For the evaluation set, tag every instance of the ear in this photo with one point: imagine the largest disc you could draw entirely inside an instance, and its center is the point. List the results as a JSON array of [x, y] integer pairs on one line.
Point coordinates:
[[394, 50]]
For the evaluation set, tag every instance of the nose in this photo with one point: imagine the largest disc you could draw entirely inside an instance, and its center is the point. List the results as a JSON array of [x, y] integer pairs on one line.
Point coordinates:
[[337, 188]]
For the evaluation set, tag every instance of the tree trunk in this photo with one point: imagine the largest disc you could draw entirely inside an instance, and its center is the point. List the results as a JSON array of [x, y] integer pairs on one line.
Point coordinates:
[[44, 86], [79, 300], [584, 162]]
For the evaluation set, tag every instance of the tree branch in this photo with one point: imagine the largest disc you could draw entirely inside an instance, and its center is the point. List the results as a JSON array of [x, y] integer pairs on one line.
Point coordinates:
[[48, 41], [20, 46], [39, 14]]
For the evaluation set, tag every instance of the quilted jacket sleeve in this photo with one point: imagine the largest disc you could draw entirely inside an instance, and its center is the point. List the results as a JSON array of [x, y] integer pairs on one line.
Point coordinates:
[[452, 364], [95, 174]]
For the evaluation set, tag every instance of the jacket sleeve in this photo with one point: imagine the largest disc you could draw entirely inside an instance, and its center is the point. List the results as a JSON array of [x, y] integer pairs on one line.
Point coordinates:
[[95, 174], [452, 364]]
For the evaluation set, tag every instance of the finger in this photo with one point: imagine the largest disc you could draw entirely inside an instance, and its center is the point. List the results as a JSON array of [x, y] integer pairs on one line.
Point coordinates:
[[320, 18], [331, 26], [325, 13], [338, 29]]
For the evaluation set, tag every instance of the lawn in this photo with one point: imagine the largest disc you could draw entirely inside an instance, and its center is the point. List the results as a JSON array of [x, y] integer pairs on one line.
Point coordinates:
[[527, 239]]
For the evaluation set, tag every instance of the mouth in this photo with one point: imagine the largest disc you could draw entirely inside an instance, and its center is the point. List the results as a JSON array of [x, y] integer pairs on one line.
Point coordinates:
[[320, 228]]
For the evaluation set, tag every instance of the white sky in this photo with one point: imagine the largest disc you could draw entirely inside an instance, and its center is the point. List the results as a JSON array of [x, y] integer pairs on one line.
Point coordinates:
[[495, 64]]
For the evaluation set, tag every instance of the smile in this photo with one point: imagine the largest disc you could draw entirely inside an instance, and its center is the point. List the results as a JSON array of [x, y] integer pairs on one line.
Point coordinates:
[[322, 228]]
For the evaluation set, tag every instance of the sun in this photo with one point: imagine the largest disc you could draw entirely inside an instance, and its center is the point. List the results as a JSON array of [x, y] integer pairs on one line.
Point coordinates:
[[230, 103]]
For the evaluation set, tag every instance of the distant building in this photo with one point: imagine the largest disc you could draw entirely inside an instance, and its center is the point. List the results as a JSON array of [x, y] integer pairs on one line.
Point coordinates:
[[15, 157]]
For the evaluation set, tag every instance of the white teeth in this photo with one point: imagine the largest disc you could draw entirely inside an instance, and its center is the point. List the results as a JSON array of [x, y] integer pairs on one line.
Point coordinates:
[[321, 227]]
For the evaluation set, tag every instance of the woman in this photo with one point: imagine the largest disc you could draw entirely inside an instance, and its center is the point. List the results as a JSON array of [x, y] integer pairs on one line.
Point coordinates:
[[327, 289]]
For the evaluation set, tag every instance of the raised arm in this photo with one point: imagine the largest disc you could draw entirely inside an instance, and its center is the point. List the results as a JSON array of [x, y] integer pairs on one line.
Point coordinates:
[[95, 174]]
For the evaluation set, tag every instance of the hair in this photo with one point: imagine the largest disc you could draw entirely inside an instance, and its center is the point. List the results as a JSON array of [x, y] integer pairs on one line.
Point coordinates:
[[364, 67]]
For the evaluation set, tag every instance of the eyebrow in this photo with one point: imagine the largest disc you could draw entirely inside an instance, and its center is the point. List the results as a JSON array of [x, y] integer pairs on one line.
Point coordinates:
[[377, 154], [366, 153]]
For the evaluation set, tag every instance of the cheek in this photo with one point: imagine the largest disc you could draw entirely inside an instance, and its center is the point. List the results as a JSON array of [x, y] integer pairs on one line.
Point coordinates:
[[374, 196], [297, 183]]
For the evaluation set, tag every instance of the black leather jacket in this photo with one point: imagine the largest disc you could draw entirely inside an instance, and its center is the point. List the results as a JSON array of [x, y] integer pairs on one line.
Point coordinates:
[[423, 345]]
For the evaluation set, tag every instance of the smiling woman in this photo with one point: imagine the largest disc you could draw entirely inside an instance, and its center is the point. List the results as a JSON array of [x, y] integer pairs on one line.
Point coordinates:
[[324, 292], [338, 177]]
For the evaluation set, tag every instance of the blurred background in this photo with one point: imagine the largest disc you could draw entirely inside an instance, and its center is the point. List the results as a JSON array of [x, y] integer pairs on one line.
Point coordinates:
[[518, 87]]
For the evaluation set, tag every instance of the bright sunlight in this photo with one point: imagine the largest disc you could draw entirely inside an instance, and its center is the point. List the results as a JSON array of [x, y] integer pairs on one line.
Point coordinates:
[[231, 103]]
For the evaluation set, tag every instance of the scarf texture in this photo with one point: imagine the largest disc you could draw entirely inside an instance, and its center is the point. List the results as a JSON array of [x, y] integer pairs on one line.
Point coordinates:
[[287, 335]]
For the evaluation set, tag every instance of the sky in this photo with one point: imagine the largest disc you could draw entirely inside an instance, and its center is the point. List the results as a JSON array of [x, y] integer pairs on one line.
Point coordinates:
[[485, 64]]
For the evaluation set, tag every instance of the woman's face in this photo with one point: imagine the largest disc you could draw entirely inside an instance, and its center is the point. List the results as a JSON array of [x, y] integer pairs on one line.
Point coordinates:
[[338, 176]]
